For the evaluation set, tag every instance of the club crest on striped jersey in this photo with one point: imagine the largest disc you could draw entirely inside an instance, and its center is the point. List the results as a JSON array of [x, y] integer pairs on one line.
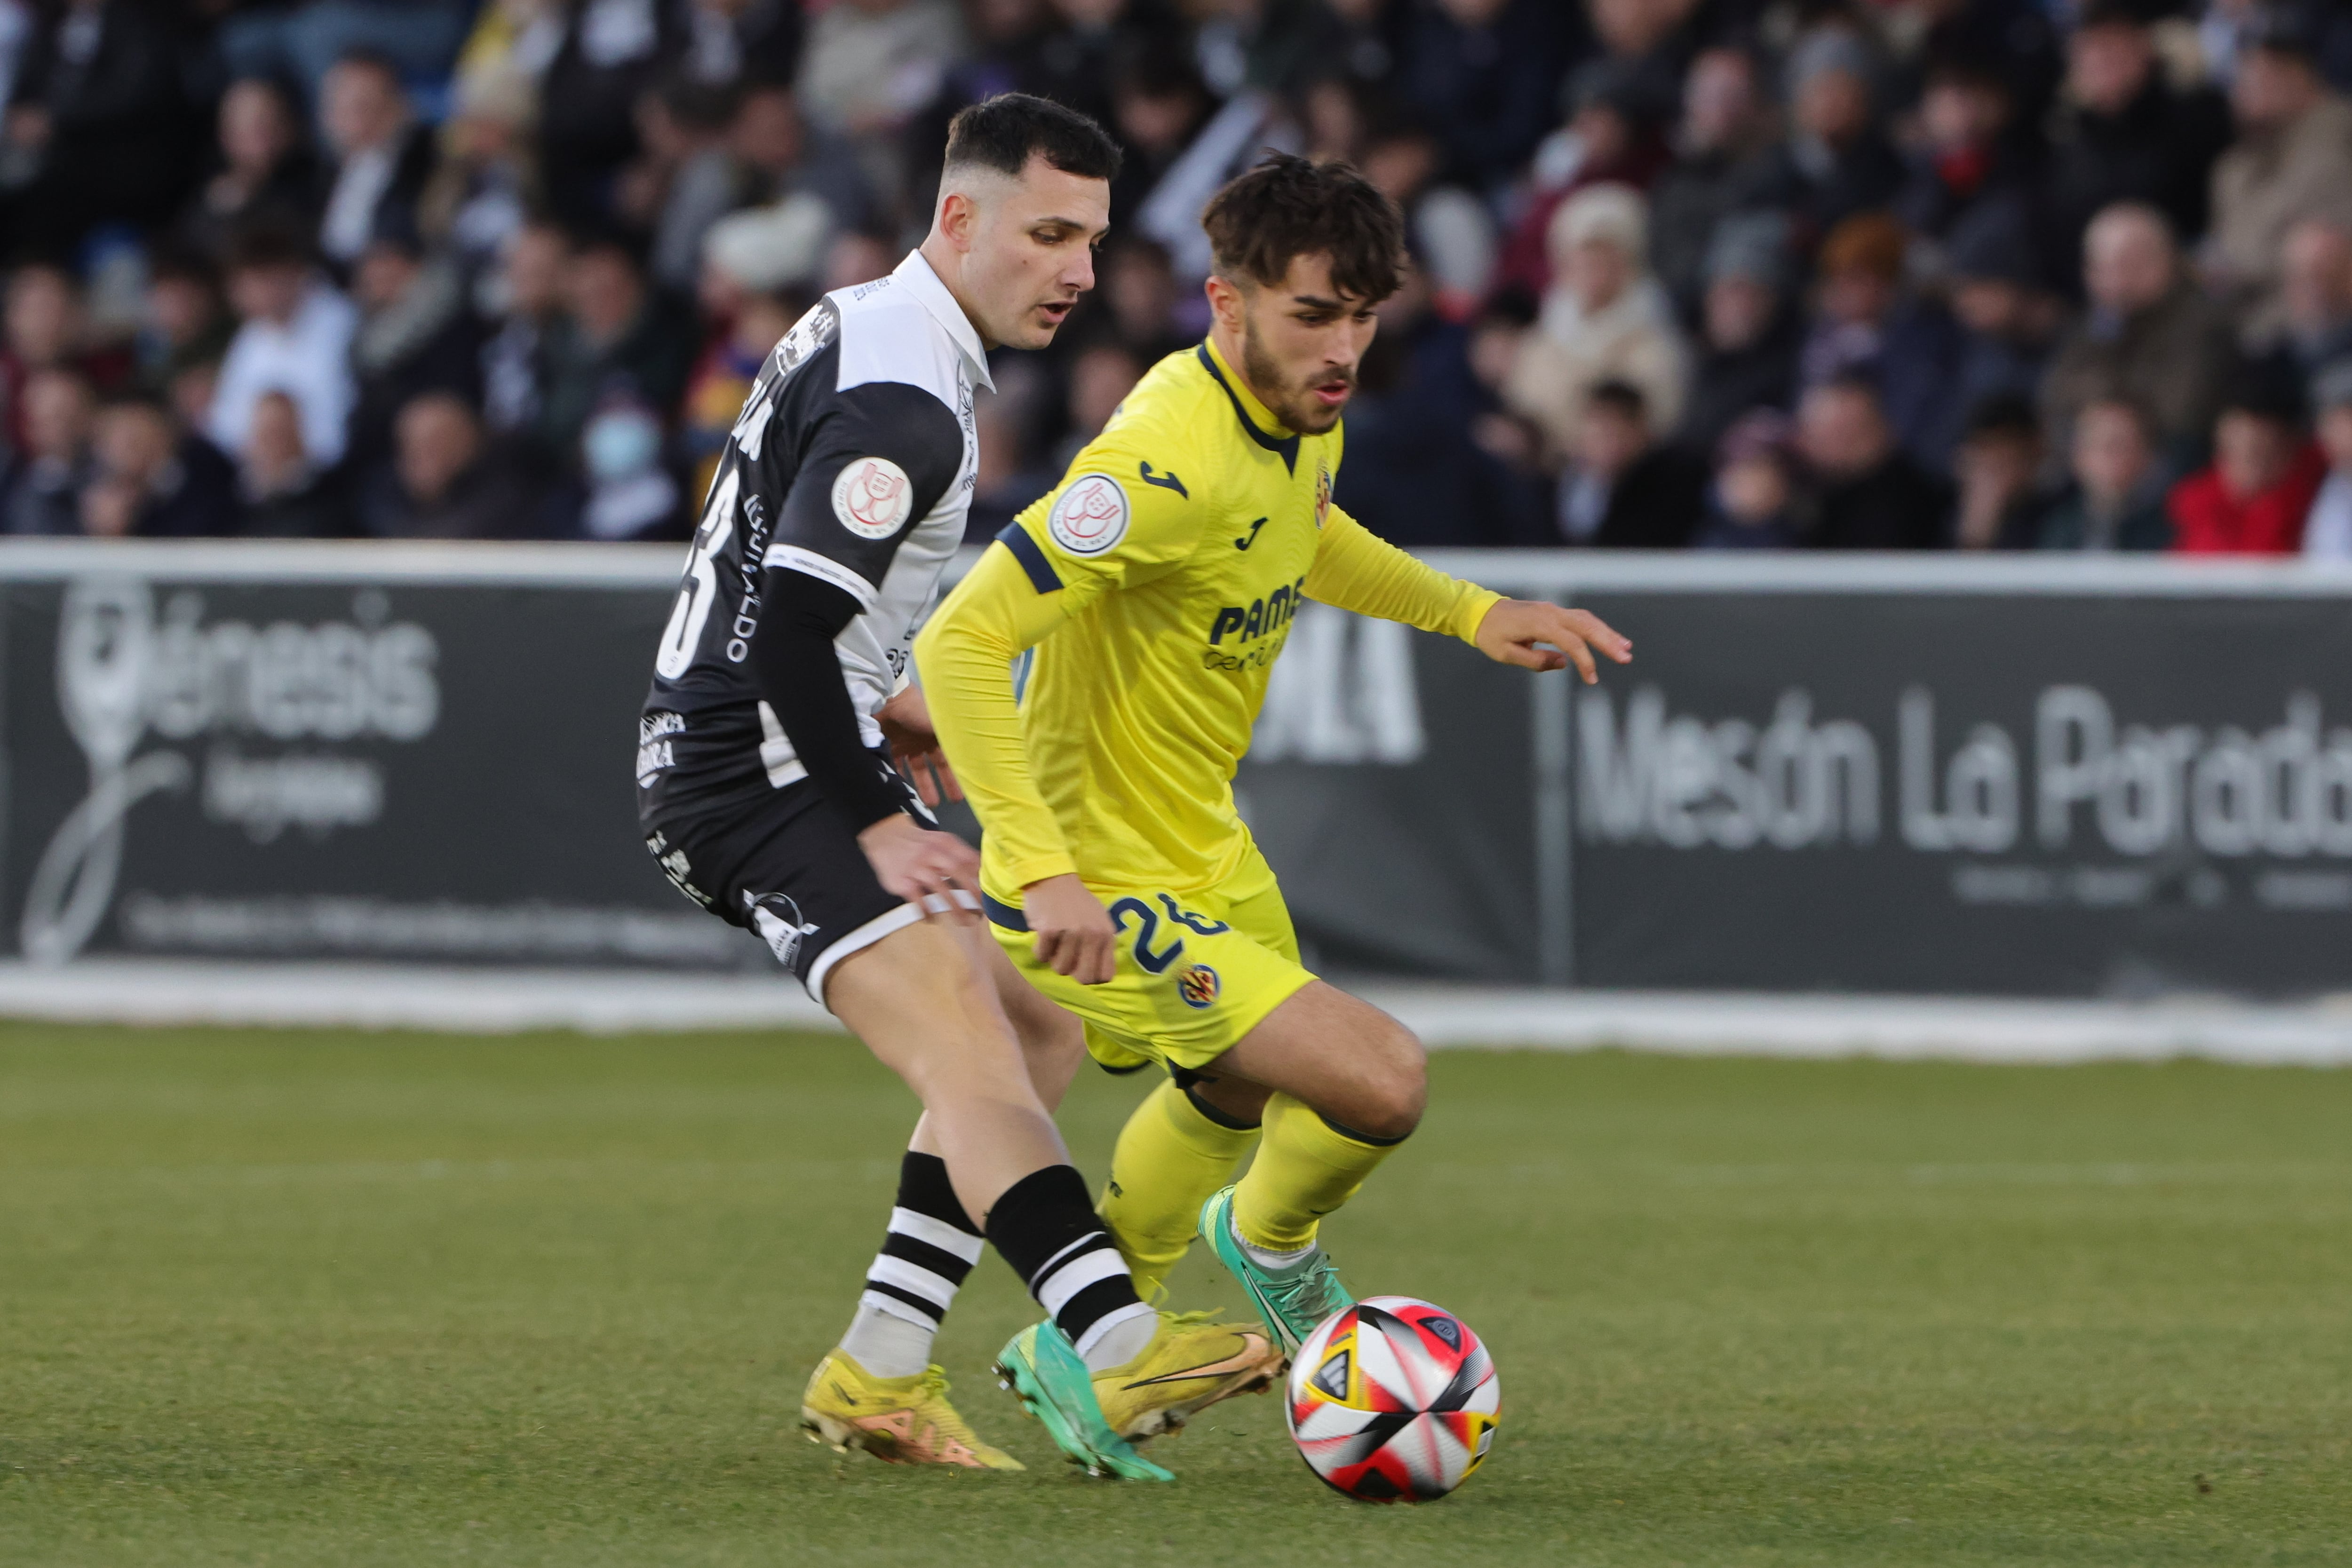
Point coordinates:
[[1322, 493], [872, 498], [1090, 516]]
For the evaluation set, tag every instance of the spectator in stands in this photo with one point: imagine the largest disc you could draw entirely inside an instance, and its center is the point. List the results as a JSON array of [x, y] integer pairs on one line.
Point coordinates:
[[2253, 499], [1970, 150], [729, 41], [608, 54], [1158, 105], [1865, 323], [186, 323], [1414, 474], [1750, 504], [1101, 375], [870, 65], [2292, 161], [304, 40], [1836, 161], [1604, 318], [484, 188], [1723, 165], [1448, 228], [770, 153], [617, 337], [1486, 72], [294, 336], [1867, 493], [1138, 288], [2327, 529], [2122, 133], [44, 493], [95, 123], [2149, 335], [382, 157], [151, 479], [1623, 487], [282, 493], [446, 483], [1608, 140], [2314, 326], [266, 173], [524, 305], [1999, 504], [2116, 499], [416, 333], [759, 274], [1746, 356], [2005, 321], [46, 328]]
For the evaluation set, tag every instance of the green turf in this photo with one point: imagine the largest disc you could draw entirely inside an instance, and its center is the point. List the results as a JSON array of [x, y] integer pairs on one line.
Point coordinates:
[[299, 1299]]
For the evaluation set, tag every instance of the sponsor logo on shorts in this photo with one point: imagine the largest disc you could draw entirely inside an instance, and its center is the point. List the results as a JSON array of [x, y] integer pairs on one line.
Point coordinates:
[[777, 919], [1197, 985], [872, 498], [1090, 516]]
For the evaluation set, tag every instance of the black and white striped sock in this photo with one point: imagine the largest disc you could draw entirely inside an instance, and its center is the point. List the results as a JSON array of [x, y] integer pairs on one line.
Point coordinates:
[[912, 1281], [1044, 1227]]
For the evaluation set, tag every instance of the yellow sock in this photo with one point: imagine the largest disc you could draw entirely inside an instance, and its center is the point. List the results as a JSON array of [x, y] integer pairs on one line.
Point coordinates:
[[1171, 1159], [1303, 1171]]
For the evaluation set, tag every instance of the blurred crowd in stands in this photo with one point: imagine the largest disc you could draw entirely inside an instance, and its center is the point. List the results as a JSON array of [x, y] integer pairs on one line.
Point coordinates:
[[1718, 274]]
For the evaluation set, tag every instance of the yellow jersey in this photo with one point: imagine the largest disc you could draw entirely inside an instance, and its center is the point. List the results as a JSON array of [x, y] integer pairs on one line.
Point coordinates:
[[1158, 583]]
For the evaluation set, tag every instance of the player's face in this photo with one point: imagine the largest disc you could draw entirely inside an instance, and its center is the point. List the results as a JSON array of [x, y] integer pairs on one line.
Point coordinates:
[[1302, 342], [1033, 253]]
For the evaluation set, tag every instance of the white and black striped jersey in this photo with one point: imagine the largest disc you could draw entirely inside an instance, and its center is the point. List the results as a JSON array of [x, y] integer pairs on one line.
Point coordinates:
[[852, 462]]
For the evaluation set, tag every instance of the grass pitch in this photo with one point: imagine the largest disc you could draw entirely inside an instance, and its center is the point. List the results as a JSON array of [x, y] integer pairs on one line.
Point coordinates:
[[323, 1298]]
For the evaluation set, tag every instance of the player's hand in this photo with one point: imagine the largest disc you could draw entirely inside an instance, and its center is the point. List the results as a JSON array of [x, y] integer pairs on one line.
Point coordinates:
[[906, 721], [1072, 929], [926, 868], [1537, 636]]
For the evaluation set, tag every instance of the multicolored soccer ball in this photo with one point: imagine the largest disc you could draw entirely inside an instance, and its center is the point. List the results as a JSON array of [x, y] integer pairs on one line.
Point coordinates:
[[1394, 1400]]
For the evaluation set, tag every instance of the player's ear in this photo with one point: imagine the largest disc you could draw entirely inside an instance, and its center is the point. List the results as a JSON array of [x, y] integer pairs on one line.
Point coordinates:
[[959, 218], [1224, 301]]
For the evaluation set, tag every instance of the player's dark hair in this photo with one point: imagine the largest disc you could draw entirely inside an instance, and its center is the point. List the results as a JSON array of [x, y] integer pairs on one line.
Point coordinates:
[[1006, 131], [1287, 207]]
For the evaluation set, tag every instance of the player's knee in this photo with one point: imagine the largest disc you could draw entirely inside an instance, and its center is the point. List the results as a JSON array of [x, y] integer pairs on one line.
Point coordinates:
[[1392, 1098]]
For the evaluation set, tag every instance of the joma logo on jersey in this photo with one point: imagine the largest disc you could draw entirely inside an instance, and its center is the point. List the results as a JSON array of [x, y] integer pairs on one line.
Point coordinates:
[[1259, 616]]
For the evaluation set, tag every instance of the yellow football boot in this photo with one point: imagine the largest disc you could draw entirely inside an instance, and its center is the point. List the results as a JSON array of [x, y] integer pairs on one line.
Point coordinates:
[[898, 1420], [1191, 1363]]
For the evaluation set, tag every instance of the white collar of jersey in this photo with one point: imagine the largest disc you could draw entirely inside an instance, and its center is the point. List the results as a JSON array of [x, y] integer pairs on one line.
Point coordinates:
[[924, 285]]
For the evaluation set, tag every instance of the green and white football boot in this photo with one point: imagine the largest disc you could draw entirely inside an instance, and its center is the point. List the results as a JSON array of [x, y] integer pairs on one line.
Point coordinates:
[[1045, 1372], [1295, 1300]]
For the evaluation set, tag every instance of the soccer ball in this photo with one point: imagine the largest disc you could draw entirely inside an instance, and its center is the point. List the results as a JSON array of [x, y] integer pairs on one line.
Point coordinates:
[[1394, 1400]]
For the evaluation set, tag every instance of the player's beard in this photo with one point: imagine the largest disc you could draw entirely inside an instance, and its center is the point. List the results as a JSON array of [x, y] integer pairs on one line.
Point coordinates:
[[1294, 405]]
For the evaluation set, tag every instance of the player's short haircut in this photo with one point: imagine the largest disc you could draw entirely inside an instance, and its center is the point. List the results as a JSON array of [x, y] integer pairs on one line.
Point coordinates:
[[1287, 207], [1006, 131]]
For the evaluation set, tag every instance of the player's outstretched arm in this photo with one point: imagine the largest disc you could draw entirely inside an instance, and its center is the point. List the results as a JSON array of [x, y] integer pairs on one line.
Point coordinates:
[[1538, 636], [964, 651]]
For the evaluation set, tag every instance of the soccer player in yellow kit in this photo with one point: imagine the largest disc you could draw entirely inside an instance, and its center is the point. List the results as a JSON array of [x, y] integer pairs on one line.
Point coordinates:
[[1157, 586]]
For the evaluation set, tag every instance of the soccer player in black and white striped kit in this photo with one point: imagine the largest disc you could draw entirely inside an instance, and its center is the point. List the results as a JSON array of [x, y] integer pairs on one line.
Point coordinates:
[[767, 789]]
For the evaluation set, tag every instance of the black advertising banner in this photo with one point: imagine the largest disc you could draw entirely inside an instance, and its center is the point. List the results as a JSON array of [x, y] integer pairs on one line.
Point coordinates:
[[2037, 794], [1388, 782], [2025, 778], [324, 768]]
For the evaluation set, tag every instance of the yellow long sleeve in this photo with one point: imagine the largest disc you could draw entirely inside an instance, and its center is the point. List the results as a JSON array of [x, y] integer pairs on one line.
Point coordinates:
[[965, 654], [1357, 569]]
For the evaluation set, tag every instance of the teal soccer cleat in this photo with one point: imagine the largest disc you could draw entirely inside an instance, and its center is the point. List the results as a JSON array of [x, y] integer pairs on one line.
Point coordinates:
[[1045, 1372], [1294, 1301]]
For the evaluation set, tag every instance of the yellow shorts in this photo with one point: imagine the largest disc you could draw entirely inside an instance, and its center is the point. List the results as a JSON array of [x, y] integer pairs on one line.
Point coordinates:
[[1195, 973]]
